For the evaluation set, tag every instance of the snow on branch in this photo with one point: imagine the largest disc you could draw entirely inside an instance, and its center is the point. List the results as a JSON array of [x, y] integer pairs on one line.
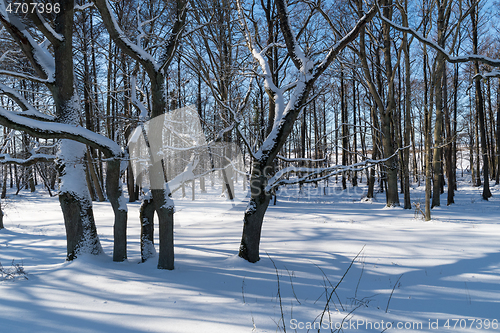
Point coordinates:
[[52, 130], [81, 8], [300, 159], [28, 109], [143, 111], [296, 54], [348, 38], [175, 34], [460, 59], [316, 174], [6, 159], [41, 59], [119, 37]]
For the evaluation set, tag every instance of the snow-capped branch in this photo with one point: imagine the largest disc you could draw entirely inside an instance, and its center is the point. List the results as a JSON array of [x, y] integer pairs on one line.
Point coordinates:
[[492, 74], [299, 159], [81, 8], [28, 109], [348, 38], [23, 76], [259, 55], [46, 29], [175, 34], [123, 42], [40, 58], [52, 130], [308, 75], [316, 174], [138, 104], [6, 159], [460, 59], [296, 54]]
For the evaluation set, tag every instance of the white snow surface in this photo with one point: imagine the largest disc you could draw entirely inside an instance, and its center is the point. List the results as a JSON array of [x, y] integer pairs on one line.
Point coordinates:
[[449, 268]]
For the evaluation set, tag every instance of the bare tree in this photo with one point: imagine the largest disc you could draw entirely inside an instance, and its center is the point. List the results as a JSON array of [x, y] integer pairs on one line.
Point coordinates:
[[307, 71], [56, 73], [155, 69]]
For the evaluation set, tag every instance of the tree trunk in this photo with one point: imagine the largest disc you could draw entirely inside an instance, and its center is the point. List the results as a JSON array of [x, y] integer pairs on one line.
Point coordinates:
[[427, 141], [254, 214], [74, 197], [147, 212], [437, 163], [407, 124], [371, 180], [497, 181], [480, 106], [114, 171], [449, 146], [345, 129], [1, 217], [163, 204], [93, 175]]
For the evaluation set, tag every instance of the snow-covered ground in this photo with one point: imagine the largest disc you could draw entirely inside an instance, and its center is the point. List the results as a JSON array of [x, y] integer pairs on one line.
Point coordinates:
[[445, 269]]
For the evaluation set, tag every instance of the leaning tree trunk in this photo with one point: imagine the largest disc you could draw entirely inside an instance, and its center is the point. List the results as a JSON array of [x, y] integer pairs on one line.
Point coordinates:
[[254, 214]]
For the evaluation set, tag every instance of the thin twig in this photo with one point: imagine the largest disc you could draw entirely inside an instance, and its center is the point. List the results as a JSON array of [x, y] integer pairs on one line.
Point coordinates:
[[279, 293], [392, 292]]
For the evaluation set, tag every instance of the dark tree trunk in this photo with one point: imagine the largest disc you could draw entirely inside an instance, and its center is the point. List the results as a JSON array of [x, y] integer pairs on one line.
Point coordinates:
[[1, 217], [391, 166], [75, 201], [371, 180], [147, 212], [407, 121], [345, 129], [497, 181], [480, 106], [449, 145], [114, 171], [254, 214]]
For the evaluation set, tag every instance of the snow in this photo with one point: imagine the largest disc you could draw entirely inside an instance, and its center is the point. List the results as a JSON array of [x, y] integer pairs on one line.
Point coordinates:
[[448, 268], [75, 131], [41, 55], [29, 111]]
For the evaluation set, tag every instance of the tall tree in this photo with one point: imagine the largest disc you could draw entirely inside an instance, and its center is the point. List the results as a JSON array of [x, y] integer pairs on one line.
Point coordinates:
[[56, 73], [155, 70], [474, 15], [385, 109], [286, 113]]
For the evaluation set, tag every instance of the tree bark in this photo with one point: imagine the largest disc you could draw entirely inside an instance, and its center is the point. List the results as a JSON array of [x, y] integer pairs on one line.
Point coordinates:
[[449, 146], [74, 197], [254, 214], [147, 212], [480, 106], [114, 172], [407, 124], [437, 163]]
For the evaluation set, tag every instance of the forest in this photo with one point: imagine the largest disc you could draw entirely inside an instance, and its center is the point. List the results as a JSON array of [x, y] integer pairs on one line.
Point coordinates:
[[143, 106]]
